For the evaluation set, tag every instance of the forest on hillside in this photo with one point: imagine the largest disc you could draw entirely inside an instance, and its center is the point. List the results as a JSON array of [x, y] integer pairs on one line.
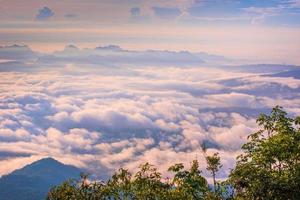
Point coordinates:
[[268, 169]]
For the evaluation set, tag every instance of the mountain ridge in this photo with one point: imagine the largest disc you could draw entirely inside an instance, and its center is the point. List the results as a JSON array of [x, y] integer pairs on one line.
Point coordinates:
[[33, 181]]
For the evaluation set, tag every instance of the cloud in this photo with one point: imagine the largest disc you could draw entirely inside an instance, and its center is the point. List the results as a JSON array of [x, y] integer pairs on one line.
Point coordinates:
[[295, 3], [260, 13], [233, 99], [277, 13], [110, 55], [44, 14], [16, 53], [135, 11], [71, 16], [166, 12], [214, 9], [137, 16], [232, 138], [132, 108], [113, 55]]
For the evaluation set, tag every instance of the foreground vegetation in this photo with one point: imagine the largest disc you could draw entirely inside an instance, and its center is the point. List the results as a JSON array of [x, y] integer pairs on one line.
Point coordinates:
[[268, 169]]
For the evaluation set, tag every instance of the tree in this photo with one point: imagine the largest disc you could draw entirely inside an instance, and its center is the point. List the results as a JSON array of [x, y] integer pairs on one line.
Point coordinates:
[[188, 184], [77, 190], [269, 167], [213, 164], [147, 184], [119, 186]]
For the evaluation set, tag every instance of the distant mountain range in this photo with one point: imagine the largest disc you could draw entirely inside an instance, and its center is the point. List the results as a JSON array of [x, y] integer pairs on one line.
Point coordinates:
[[33, 181], [17, 57]]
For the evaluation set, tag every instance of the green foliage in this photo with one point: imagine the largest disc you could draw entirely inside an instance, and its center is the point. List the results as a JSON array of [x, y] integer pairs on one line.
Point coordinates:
[[119, 186], [146, 184], [269, 168], [188, 184], [78, 190], [213, 165]]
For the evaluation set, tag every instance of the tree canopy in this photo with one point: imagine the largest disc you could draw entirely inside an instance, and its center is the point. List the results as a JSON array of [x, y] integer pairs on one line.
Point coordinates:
[[268, 169]]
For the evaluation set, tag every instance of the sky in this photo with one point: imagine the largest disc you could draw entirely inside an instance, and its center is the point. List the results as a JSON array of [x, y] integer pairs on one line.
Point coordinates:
[[263, 30], [108, 84]]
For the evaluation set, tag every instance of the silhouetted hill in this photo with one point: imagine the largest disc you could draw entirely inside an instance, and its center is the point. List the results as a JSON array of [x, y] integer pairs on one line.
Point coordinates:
[[291, 73], [33, 181]]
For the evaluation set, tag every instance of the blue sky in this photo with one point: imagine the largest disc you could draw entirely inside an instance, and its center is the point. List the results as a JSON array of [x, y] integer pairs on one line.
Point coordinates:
[[286, 11], [265, 30]]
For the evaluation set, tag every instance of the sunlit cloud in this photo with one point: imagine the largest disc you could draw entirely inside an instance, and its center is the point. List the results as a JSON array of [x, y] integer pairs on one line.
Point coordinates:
[[108, 84], [124, 109]]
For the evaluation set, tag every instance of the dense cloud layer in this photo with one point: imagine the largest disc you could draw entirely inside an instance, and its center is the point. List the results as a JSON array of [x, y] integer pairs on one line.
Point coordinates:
[[102, 112]]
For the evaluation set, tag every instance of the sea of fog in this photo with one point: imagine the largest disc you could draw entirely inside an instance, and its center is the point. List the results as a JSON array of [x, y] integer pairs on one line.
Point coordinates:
[[106, 108]]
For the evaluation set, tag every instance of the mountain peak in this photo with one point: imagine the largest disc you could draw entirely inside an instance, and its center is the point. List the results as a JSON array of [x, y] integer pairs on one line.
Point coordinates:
[[36, 179], [46, 164], [15, 46], [16, 52], [71, 47], [109, 48], [47, 160]]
